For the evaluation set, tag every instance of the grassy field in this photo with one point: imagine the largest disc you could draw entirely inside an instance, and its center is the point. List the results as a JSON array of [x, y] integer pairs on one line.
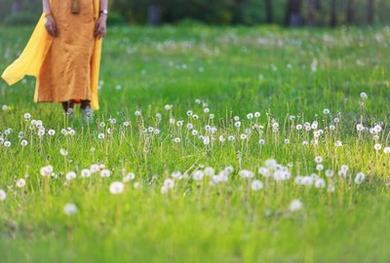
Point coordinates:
[[211, 145]]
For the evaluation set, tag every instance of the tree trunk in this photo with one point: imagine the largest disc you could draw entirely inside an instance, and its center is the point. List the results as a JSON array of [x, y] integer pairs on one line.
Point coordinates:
[[333, 13], [350, 12], [314, 7], [269, 17], [154, 13], [294, 13], [370, 11]]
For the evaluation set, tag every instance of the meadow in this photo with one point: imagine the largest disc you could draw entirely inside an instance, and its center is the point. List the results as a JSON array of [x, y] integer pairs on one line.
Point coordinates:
[[212, 144]]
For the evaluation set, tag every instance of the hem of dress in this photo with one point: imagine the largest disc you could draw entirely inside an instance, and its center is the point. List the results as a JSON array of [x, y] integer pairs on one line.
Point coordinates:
[[75, 101]]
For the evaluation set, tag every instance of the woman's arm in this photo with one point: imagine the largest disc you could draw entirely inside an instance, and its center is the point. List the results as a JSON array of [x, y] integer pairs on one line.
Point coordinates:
[[50, 23], [101, 24], [103, 5], [46, 7]]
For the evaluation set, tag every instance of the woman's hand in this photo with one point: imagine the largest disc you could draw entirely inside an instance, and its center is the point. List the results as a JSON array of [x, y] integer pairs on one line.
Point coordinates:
[[101, 26], [50, 25]]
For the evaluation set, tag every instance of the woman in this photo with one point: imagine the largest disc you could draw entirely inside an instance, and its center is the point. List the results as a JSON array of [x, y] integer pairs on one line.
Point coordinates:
[[63, 54]]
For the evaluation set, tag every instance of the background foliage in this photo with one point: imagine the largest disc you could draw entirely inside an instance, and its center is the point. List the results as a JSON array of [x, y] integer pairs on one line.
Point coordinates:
[[248, 12]]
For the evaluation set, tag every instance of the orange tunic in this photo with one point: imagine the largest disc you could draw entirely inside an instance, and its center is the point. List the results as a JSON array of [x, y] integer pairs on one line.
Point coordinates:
[[66, 70]]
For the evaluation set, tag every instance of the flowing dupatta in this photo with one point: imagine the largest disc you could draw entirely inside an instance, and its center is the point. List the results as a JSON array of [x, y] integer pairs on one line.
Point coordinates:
[[33, 55]]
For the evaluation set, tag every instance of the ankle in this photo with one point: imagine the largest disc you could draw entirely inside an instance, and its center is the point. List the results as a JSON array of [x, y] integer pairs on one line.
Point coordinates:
[[85, 104]]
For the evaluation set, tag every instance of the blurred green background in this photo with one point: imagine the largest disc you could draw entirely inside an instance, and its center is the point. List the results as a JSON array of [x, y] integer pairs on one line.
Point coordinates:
[[223, 12]]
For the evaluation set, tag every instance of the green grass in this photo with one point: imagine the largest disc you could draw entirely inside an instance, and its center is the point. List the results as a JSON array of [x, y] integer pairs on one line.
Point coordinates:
[[232, 71]]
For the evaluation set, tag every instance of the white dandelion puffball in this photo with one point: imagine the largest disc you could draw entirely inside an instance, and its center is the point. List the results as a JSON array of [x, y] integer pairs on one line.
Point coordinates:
[[209, 171], [363, 95], [295, 205], [377, 147], [51, 132], [46, 170], [70, 176], [246, 174], [257, 185], [169, 183], [128, 177], [20, 183], [331, 188], [70, 209], [24, 143], [105, 173], [116, 188], [177, 175], [359, 178], [318, 159], [386, 150], [27, 116], [94, 168], [319, 183], [3, 195], [63, 152], [198, 175], [85, 173], [329, 173]]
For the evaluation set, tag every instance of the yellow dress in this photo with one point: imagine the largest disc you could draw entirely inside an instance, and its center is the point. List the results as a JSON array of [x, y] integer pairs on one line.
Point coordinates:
[[66, 67]]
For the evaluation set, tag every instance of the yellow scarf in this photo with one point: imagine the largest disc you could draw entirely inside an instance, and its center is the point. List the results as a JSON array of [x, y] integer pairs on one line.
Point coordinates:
[[33, 55]]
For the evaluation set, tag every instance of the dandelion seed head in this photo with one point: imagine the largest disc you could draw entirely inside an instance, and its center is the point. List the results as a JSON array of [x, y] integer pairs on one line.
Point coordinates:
[[295, 205], [209, 171], [319, 183], [116, 188], [70, 209], [177, 175], [386, 150], [85, 173], [46, 170], [105, 173], [20, 183], [377, 147], [23, 143], [257, 185], [318, 159], [27, 116], [198, 175], [246, 174], [329, 173], [64, 152], [70, 176], [359, 178], [169, 183], [3, 195]]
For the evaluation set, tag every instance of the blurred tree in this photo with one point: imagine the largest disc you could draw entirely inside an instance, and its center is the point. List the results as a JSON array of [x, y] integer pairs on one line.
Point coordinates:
[[370, 11], [333, 13], [269, 18], [154, 13], [314, 7], [350, 12], [248, 12], [238, 10], [294, 13]]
